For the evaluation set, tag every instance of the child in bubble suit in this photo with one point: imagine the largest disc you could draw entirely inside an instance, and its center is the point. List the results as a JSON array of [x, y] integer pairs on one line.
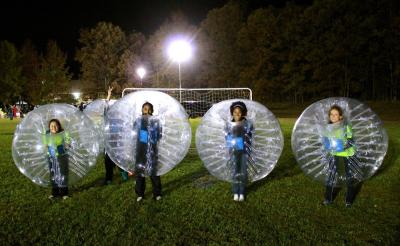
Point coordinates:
[[238, 136], [108, 163], [338, 141], [148, 135], [57, 141]]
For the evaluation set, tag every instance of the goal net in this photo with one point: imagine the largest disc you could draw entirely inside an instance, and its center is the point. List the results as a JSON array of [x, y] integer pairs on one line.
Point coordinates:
[[197, 101]]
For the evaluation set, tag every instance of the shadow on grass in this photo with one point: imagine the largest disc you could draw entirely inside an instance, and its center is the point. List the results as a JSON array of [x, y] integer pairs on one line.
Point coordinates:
[[284, 169], [101, 181], [181, 181]]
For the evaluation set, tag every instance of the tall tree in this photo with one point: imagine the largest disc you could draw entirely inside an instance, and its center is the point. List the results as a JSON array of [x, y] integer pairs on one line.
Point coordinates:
[[132, 58], [220, 58], [164, 73], [54, 75], [10, 72], [30, 62], [100, 54]]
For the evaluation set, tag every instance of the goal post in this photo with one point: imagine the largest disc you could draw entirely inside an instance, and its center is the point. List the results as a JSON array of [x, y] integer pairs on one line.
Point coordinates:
[[197, 101]]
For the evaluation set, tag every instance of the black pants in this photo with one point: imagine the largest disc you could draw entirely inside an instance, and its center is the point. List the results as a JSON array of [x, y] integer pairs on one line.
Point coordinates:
[[141, 185], [58, 167], [330, 183], [109, 165]]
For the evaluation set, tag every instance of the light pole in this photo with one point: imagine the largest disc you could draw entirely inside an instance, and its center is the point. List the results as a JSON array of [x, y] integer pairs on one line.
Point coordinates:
[[141, 72], [180, 51]]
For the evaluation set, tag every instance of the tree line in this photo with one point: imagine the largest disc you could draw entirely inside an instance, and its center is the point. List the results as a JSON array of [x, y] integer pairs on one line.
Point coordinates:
[[294, 53]]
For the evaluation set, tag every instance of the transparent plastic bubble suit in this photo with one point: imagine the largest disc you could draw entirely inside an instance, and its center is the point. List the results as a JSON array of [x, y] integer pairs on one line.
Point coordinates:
[[121, 135], [30, 152], [266, 141], [369, 140], [96, 111]]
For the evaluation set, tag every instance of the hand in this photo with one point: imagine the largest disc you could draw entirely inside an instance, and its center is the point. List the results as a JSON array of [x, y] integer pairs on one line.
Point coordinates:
[[110, 88], [349, 143]]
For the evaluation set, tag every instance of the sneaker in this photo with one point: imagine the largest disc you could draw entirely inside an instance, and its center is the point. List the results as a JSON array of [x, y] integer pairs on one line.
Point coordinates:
[[65, 197], [236, 197], [348, 205], [139, 199], [124, 175], [51, 197], [158, 198], [326, 202], [241, 198]]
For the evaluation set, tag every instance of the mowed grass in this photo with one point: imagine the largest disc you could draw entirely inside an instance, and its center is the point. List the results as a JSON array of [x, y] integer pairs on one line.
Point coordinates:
[[284, 208]]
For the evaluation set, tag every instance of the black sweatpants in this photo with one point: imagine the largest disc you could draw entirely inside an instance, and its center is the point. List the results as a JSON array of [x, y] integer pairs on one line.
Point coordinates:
[[141, 185]]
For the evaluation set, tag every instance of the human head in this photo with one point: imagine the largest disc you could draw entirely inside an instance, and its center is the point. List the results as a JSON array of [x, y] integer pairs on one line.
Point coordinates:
[[55, 126], [238, 110], [147, 108], [335, 114]]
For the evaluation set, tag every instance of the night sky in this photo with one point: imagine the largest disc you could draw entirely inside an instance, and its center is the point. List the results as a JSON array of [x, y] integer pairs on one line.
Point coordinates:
[[61, 20]]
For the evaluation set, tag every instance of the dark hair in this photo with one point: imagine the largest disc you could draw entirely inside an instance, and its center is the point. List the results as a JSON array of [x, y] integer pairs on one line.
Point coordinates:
[[240, 105], [337, 108], [150, 105], [60, 129]]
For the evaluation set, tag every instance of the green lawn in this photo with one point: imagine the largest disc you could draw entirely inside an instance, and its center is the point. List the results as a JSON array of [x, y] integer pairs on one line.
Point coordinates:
[[284, 208]]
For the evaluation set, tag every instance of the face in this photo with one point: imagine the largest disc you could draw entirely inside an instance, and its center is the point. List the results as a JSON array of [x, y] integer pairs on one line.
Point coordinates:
[[146, 110], [237, 114], [334, 116], [53, 127]]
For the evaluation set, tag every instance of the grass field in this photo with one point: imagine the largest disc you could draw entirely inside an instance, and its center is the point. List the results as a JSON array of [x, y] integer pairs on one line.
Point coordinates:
[[285, 208]]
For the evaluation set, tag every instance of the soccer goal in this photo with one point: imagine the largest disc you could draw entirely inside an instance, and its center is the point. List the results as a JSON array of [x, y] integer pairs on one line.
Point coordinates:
[[197, 101]]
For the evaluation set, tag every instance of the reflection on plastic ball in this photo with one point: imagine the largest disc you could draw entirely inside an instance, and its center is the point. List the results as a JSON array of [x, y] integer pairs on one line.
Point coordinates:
[[31, 151], [167, 133], [262, 140], [96, 111], [314, 146]]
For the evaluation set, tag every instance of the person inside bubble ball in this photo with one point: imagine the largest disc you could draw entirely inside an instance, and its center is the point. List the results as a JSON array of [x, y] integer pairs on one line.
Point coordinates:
[[238, 136], [149, 134], [57, 141], [108, 163], [338, 141]]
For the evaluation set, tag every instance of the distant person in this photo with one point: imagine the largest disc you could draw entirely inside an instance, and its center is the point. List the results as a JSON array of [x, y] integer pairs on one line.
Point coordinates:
[[10, 112], [81, 106], [14, 111], [108, 163]]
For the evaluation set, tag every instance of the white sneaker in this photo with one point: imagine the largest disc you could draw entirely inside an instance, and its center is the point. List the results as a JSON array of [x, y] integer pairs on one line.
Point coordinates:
[[241, 198], [158, 198], [139, 199], [65, 197], [236, 197]]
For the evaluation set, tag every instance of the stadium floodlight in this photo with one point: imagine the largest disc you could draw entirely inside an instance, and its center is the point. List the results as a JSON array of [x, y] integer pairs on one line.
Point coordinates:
[[179, 51], [76, 95], [141, 72]]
